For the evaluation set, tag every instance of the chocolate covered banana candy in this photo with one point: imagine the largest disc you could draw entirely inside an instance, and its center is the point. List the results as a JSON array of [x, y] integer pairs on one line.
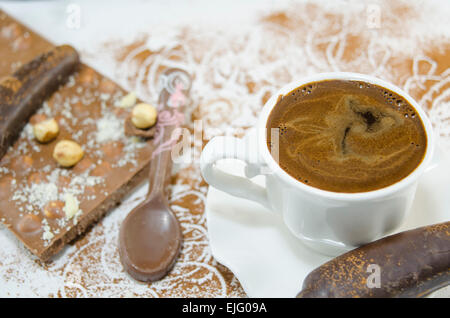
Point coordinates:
[[22, 93], [408, 264]]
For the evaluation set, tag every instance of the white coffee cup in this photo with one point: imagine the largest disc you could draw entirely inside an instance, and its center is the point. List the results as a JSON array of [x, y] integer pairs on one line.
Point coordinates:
[[330, 222]]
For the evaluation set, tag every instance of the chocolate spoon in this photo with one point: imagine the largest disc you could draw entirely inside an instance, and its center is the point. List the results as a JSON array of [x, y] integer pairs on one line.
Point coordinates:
[[150, 236]]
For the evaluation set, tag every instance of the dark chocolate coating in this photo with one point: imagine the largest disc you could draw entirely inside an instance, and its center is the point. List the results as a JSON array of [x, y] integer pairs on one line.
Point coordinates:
[[412, 264], [25, 91]]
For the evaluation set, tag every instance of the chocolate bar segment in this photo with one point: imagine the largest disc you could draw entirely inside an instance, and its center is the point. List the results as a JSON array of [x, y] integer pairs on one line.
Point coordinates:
[[45, 205], [409, 264], [24, 92]]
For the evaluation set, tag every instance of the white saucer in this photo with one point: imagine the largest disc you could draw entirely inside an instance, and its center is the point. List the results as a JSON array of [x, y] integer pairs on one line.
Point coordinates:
[[268, 260]]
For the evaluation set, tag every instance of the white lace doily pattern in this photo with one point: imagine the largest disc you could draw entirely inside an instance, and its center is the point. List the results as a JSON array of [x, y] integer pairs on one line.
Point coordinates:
[[235, 70]]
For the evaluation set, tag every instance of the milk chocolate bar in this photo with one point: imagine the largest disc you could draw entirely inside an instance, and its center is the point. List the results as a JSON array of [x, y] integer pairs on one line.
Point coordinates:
[[25, 91], [408, 264], [45, 205]]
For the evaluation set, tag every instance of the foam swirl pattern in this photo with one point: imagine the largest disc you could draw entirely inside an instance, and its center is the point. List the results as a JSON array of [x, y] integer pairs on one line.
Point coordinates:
[[347, 136]]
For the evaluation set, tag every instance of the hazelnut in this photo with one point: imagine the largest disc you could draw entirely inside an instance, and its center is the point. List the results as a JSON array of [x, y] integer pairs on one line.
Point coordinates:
[[67, 153], [54, 209], [30, 223], [143, 116], [127, 101], [46, 130], [87, 76]]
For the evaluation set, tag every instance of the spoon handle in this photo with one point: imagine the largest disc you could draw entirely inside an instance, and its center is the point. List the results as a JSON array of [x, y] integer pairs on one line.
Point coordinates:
[[174, 87]]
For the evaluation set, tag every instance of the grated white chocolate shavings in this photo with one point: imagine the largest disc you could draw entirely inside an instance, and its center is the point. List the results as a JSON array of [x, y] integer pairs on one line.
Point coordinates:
[[71, 206], [36, 195], [109, 128], [47, 235]]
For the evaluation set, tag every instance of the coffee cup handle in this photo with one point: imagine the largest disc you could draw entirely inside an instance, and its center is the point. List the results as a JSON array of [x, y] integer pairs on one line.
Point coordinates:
[[226, 147]]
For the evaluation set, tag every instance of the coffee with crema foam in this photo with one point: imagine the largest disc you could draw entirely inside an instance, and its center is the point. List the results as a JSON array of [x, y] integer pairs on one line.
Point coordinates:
[[346, 136]]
